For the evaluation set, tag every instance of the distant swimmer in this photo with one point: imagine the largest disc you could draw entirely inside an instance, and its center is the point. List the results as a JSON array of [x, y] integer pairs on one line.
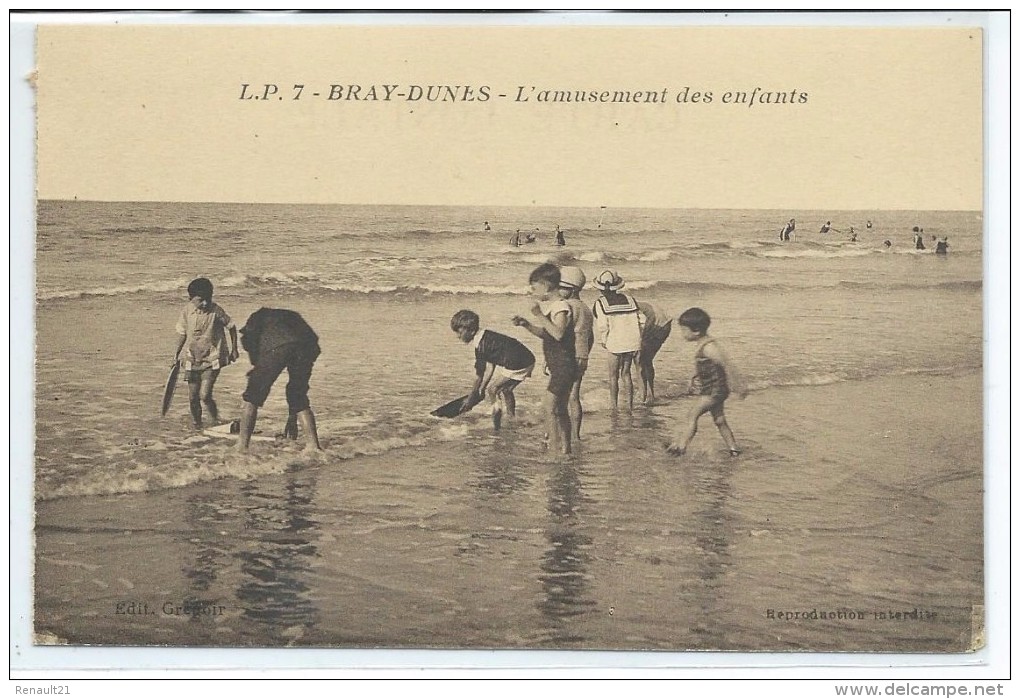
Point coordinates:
[[826, 228], [942, 246], [487, 226], [853, 235], [560, 240], [788, 230], [887, 243], [530, 238], [918, 239], [515, 239], [869, 223]]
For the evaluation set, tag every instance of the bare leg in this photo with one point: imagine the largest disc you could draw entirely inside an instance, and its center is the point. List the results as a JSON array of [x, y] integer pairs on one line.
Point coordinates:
[[679, 445], [498, 393], [195, 403], [563, 422], [249, 415], [643, 376], [575, 410], [290, 431], [614, 381], [724, 429], [492, 395], [647, 371], [552, 421], [208, 382], [510, 401], [628, 381], [307, 420], [558, 422]]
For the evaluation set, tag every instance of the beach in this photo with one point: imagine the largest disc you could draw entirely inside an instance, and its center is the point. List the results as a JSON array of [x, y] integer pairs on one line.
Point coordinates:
[[852, 521], [496, 545]]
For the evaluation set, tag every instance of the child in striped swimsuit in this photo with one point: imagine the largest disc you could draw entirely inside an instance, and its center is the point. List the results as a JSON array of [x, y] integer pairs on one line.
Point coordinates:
[[715, 375]]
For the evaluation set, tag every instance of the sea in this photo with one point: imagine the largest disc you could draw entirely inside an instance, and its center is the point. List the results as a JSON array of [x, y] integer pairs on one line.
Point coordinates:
[[850, 349]]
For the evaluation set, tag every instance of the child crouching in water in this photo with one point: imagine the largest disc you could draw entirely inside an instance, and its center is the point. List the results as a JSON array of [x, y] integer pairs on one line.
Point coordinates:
[[501, 363], [714, 377]]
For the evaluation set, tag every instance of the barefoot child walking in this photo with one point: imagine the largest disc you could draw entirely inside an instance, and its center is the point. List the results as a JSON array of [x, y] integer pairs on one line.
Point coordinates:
[[715, 376]]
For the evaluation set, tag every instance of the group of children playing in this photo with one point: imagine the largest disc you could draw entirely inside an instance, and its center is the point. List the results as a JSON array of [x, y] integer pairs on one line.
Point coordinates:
[[631, 333]]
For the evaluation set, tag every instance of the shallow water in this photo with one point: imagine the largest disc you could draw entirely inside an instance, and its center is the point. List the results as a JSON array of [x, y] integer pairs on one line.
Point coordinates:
[[487, 542], [379, 284], [860, 484]]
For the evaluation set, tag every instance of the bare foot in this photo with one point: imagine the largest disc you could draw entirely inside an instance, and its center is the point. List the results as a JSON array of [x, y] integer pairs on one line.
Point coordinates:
[[675, 449]]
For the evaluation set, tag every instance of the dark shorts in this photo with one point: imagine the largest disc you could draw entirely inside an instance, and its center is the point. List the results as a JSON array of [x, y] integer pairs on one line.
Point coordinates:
[[562, 374], [298, 360]]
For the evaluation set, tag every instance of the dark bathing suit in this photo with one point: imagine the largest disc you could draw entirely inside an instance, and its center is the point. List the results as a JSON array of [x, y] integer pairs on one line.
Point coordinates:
[[709, 377], [278, 339]]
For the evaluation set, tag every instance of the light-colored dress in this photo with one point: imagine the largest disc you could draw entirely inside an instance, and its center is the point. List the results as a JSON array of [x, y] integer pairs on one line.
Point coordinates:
[[205, 330]]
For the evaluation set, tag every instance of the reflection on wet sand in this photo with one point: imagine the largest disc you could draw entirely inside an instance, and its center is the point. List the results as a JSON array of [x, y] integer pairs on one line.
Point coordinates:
[[711, 491], [564, 563], [499, 475], [206, 516], [273, 591]]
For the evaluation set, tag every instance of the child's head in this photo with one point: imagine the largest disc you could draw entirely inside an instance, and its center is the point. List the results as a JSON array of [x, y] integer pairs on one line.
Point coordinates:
[[694, 323], [544, 279], [572, 280], [608, 281], [201, 289], [465, 324]]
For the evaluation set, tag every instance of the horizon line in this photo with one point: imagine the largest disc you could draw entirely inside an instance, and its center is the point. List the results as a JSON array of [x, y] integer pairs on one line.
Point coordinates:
[[482, 206]]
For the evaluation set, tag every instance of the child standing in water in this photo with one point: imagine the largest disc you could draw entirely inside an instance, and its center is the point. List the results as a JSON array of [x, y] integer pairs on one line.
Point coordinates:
[[552, 320], [619, 330], [572, 280], [501, 363], [206, 342], [715, 375]]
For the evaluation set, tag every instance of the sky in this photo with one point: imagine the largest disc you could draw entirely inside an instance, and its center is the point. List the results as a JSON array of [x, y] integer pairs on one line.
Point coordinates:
[[855, 117]]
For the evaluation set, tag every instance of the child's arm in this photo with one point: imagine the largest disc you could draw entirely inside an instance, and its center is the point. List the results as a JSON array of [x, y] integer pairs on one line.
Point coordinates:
[[734, 378], [231, 329], [522, 322], [542, 326], [235, 353], [181, 339], [556, 328], [478, 389], [601, 326], [182, 335]]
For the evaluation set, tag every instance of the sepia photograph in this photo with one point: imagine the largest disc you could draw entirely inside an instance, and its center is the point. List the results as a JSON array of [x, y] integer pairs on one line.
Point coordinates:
[[481, 333]]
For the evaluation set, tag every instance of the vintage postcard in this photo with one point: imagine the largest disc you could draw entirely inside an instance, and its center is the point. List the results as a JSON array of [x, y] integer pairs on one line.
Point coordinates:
[[706, 301]]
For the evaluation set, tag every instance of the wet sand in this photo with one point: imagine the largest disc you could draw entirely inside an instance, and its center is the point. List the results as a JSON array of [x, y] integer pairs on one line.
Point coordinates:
[[840, 528]]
